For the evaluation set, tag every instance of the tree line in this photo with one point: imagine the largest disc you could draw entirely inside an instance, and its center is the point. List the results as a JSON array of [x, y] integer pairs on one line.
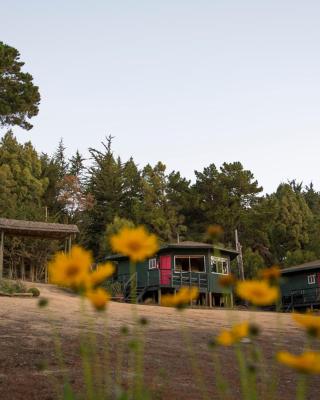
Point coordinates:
[[104, 193]]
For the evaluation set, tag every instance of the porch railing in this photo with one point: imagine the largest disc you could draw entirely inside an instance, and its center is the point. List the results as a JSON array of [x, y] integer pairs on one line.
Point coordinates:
[[302, 297], [167, 278]]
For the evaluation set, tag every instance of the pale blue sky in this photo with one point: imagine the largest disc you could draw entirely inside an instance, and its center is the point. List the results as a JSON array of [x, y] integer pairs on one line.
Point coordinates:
[[185, 82]]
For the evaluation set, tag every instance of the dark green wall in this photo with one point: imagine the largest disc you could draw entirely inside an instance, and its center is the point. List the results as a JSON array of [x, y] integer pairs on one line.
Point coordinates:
[[142, 268], [297, 281]]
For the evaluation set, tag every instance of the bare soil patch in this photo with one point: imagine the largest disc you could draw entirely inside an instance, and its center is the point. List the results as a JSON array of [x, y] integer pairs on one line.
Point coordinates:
[[27, 344]]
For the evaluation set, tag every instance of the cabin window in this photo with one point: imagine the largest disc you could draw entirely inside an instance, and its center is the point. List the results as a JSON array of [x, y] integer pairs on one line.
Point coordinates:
[[219, 265], [153, 263], [311, 279], [189, 264]]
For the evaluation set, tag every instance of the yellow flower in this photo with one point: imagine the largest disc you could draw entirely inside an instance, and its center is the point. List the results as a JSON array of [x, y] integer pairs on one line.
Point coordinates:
[[235, 334], [307, 363], [309, 321], [136, 243], [271, 274], [225, 338], [227, 280], [214, 230], [99, 298], [259, 293], [102, 272], [71, 269], [180, 299]]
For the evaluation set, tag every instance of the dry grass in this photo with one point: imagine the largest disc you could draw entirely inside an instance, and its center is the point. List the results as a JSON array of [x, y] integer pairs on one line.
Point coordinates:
[[26, 345]]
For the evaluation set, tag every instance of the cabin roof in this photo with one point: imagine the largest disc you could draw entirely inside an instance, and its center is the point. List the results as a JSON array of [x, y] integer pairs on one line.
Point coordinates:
[[45, 230], [186, 245], [302, 267]]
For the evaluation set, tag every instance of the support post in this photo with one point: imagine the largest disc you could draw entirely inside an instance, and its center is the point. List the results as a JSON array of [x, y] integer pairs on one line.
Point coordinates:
[[210, 299], [231, 300], [1, 253], [239, 257], [69, 244]]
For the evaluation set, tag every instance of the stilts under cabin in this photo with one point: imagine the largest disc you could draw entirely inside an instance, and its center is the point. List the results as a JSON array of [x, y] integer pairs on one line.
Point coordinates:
[[176, 265]]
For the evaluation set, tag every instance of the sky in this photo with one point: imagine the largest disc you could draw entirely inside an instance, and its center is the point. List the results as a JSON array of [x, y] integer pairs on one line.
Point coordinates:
[[189, 83]]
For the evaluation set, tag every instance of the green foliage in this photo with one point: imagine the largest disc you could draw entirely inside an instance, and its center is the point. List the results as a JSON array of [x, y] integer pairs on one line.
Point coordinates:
[[35, 291], [10, 287], [19, 97], [283, 227], [252, 263]]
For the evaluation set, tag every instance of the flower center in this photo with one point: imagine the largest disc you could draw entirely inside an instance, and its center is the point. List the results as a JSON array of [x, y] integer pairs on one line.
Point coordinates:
[[134, 246], [72, 270]]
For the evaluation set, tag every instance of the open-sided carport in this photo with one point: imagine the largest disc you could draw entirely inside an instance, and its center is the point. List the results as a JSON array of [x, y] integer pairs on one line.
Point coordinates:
[[42, 230]]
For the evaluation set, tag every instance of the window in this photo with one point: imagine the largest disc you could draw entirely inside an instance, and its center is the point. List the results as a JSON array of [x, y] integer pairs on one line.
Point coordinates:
[[219, 265], [189, 264], [311, 279], [153, 263]]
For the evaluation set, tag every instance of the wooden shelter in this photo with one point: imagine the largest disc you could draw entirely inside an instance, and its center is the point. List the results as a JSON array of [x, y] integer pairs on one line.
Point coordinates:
[[42, 230]]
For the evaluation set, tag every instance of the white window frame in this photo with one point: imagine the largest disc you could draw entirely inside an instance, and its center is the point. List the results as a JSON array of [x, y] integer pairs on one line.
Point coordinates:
[[191, 256], [153, 263], [311, 279], [220, 259]]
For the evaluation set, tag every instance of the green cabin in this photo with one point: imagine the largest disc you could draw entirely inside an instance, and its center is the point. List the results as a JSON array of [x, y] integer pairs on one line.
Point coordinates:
[[176, 265], [300, 288]]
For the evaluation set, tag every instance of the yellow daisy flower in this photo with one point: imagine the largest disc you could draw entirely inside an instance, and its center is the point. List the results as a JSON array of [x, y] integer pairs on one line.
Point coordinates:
[[259, 293], [227, 280], [214, 230], [234, 335], [71, 270], [180, 299], [136, 243], [307, 363], [309, 321], [102, 272], [99, 298]]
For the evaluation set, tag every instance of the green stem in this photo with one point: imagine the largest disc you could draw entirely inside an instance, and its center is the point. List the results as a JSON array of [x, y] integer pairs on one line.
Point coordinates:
[[302, 387]]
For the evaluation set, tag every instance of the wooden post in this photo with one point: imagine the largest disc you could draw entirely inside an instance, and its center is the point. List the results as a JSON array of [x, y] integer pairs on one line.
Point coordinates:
[[1, 253], [69, 244], [210, 299], [46, 273], [239, 257], [231, 300], [159, 296]]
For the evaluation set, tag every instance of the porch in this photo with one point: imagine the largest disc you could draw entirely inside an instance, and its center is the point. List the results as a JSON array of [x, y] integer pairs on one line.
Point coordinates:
[[303, 299]]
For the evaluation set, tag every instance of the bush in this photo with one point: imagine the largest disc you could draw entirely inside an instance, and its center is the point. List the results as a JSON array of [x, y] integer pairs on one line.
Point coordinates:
[[10, 287], [35, 291]]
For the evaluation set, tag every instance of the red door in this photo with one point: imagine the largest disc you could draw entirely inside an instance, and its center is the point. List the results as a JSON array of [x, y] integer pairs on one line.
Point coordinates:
[[165, 270]]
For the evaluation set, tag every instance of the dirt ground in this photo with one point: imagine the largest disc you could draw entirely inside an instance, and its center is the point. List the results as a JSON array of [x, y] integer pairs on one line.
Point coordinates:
[[29, 367]]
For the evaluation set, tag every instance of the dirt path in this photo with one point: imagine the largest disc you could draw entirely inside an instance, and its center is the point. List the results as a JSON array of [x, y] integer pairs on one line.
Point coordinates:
[[26, 344]]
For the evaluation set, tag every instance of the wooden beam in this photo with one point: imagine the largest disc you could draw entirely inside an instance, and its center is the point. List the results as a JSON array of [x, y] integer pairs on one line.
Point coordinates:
[[1, 253]]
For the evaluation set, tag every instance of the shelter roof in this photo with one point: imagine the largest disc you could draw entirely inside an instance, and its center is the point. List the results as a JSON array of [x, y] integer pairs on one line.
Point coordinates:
[[302, 267], [46, 230]]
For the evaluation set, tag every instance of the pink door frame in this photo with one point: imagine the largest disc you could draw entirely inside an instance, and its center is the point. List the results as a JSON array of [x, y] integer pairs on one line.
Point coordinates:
[[165, 270]]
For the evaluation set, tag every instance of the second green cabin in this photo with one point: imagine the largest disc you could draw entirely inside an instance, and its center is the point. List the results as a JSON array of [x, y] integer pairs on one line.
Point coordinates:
[[176, 265]]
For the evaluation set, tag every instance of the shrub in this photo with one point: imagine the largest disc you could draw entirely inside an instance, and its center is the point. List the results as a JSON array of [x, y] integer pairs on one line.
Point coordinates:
[[10, 287], [35, 291]]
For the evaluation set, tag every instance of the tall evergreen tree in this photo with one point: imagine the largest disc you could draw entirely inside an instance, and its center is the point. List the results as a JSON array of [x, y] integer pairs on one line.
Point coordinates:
[[19, 97]]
